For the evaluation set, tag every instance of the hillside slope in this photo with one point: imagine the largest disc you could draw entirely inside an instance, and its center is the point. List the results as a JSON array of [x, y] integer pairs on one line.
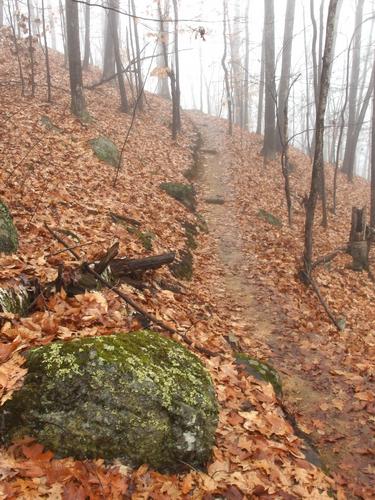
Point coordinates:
[[50, 175]]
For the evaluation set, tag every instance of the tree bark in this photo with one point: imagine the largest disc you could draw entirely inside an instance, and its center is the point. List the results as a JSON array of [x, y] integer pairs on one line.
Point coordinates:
[[138, 55], [245, 123], [78, 105], [162, 61], [318, 153], [111, 19], [86, 57], [351, 143], [225, 69], [372, 207], [261, 90], [285, 69], [46, 56], [176, 118], [269, 144]]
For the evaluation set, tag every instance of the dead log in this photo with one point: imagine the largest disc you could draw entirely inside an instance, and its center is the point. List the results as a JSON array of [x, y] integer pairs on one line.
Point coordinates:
[[126, 267]]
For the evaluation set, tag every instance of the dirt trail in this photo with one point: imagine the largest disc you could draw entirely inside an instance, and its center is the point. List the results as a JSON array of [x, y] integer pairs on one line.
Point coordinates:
[[302, 396]]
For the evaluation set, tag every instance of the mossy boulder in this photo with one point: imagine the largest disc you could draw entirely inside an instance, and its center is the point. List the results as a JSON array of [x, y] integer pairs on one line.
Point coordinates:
[[138, 397], [184, 193], [260, 370], [182, 268], [105, 150], [8, 231]]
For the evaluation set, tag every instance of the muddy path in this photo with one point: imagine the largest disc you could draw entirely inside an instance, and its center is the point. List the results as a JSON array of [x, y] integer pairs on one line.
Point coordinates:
[[336, 436]]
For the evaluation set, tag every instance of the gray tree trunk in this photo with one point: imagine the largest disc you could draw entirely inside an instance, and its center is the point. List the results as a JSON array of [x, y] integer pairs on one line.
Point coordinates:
[[285, 70], [319, 141], [86, 57], [261, 91], [269, 144], [111, 19], [351, 144], [78, 105]]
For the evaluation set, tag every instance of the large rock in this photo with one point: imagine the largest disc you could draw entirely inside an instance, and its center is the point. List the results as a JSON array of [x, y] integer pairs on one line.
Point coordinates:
[[106, 150], [139, 397], [8, 231]]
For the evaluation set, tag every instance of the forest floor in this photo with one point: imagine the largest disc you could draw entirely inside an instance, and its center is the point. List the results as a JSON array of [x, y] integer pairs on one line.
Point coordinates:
[[314, 374], [244, 294]]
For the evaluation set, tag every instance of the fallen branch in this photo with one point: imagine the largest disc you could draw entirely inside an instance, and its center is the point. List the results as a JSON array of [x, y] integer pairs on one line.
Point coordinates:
[[86, 268], [327, 258]]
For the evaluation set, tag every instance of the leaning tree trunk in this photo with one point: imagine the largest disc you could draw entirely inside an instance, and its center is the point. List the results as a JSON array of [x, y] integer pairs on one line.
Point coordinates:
[[318, 154]]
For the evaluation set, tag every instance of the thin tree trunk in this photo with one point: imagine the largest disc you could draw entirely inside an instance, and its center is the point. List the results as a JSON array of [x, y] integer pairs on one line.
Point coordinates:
[[308, 143], [245, 123], [86, 57], [285, 69], [1, 13], [176, 125], [48, 73], [109, 51], [269, 144], [318, 153], [63, 32], [372, 207], [51, 21], [351, 143], [16, 49], [119, 66], [31, 49], [78, 105], [225, 69], [261, 89], [138, 54]]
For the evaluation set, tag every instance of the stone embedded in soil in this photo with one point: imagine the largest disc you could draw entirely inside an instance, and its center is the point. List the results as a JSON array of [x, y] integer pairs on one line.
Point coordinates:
[[137, 396], [105, 150], [8, 231]]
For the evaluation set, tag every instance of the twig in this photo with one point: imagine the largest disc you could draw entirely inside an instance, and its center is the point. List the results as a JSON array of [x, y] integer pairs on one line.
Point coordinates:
[[327, 258], [322, 301], [70, 248]]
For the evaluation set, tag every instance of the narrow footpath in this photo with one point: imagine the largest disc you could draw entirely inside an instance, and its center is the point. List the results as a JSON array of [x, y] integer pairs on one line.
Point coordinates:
[[334, 434]]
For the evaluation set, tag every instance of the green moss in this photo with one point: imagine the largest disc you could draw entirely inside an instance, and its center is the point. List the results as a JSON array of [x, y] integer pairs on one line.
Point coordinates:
[[105, 150], [139, 397], [202, 223], [191, 232], [145, 237], [8, 231], [184, 193], [182, 268], [268, 217], [260, 370]]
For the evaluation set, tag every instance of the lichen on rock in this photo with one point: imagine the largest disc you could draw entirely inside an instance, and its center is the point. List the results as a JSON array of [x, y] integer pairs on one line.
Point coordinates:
[[138, 397], [105, 150], [8, 231], [15, 300], [184, 193]]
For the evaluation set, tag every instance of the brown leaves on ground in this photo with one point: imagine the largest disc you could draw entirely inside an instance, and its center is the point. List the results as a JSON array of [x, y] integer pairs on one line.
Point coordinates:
[[52, 177]]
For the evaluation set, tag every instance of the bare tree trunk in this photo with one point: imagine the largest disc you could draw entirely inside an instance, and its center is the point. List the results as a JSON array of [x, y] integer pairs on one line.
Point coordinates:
[[285, 69], [78, 105], [318, 153], [351, 143], [226, 74], [16, 48], [48, 73], [63, 32], [163, 36], [261, 89], [109, 50], [308, 143], [176, 125], [51, 21], [86, 57], [31, 49], [235, 42], [119, 66], [269, 144], [138, 54], [1, 13], [372, 207], [245, 123]]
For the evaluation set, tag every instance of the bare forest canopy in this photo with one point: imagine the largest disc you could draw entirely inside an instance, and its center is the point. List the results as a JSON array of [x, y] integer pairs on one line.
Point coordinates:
[[297, 32]]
